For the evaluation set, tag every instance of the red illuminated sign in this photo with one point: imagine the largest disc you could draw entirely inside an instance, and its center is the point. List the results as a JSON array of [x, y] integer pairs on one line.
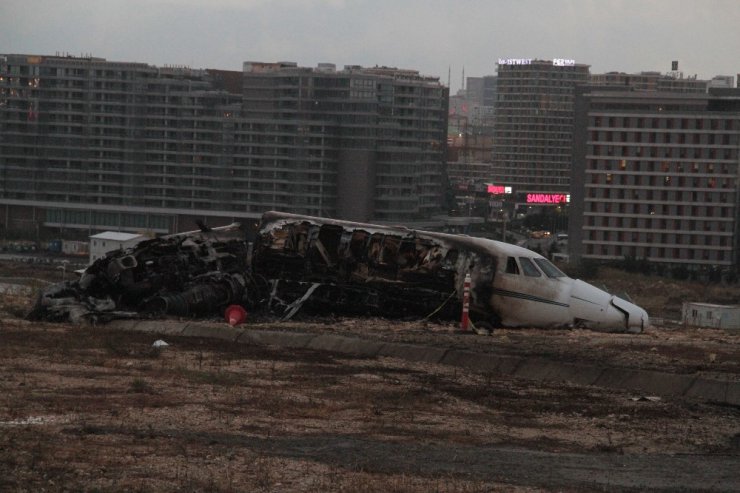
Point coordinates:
[[547, 198], [498, 189]]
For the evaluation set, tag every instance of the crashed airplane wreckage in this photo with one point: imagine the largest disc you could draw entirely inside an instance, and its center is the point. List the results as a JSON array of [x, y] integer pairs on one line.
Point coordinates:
[[330, 266], [189, 274]]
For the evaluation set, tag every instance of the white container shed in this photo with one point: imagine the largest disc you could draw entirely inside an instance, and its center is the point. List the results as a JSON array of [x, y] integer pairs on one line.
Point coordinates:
[[105, 242], [710, 315]]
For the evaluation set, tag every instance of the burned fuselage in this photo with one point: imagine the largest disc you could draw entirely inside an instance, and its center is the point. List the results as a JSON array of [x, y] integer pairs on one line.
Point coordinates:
[[356, 268], [186, 275], [324, 265], [395, 271]]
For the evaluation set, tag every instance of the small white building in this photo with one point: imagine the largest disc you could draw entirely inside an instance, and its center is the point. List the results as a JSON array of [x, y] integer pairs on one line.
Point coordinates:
[[77, 248], [710, 315], [105, 242]]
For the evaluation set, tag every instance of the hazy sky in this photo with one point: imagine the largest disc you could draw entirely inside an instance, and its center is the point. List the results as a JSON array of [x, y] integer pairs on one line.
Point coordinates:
[[427, 35]]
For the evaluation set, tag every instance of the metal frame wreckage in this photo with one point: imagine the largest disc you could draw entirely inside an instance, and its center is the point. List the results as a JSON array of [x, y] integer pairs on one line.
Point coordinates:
[[329, 266]]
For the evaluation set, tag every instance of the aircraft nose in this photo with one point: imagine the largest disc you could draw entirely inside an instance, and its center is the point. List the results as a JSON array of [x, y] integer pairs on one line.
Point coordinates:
[[596, 309], [637, 318]]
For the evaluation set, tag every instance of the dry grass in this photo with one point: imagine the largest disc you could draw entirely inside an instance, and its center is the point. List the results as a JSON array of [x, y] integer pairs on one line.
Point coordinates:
[[91, 410], [86, 409]]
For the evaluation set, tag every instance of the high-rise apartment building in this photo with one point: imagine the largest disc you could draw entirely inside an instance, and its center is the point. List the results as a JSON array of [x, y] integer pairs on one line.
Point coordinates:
[[480, 98], [90, 144], [533, 127], [656, 177], [481, 91], [387, 128]]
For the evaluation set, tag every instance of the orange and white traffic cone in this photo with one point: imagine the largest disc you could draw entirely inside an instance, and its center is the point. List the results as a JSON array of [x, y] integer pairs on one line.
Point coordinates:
[[465, 319]]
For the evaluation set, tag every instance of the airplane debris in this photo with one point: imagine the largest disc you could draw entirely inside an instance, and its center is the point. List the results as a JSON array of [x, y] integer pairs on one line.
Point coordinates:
[[323, 265], [399, 272], [291, 309], [645, 398], [192, 274]]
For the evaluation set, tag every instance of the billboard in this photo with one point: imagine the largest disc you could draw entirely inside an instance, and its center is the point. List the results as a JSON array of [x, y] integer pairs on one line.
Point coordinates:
[[497, 189], [547, 198]]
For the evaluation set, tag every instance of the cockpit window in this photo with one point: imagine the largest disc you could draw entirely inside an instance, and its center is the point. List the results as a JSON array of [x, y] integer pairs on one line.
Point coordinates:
[[511, 267], [549, 269], [529, 268]]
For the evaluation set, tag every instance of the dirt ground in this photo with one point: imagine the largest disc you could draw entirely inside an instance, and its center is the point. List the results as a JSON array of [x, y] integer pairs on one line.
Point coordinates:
[[93, 409], [88, 409]]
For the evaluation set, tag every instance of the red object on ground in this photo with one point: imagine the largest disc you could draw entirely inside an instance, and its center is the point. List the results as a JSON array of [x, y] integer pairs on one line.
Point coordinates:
[[235, 315]]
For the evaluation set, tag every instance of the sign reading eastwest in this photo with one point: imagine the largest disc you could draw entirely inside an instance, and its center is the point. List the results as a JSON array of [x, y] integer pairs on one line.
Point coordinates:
[[515, 61], [548, 198]]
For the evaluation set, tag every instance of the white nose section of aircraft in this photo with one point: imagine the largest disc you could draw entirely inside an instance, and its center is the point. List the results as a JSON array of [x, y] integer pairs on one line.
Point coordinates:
[[596, 309], [637, 318]]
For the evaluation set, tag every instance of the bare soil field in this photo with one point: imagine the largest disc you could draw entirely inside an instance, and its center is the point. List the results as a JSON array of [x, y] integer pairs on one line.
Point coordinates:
[[95, 409]]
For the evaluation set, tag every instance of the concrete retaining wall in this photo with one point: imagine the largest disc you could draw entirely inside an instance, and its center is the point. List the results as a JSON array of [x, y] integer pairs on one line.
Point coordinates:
[[534, 368]]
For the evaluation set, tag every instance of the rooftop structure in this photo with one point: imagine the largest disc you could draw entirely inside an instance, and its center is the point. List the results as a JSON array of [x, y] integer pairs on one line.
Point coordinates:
[[115, 236], [108, 241], [653, 81]]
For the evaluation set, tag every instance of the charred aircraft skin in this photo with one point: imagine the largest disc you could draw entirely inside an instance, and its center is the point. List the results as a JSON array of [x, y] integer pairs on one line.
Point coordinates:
[[395, 271], [185, 275], [324, 265]]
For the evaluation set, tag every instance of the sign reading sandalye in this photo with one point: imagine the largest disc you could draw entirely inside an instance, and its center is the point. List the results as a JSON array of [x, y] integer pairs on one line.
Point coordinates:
[[548, 198]]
